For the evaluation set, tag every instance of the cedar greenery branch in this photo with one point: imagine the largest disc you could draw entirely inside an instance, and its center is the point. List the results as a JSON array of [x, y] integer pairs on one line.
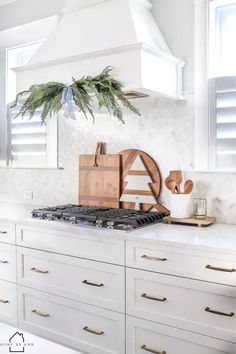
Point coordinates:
[[47, 97]]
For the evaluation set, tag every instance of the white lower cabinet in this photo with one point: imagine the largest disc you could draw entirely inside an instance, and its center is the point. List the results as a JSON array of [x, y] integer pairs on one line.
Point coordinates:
[[7, 262], [201, 307], [149, 337], [87, 281], [71, 323], [8, 303]]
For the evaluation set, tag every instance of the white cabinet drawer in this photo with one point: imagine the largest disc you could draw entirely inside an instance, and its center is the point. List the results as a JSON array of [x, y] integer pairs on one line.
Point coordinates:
[[8, 303], [148, 337], [7, 262], [7, 233], [71, 323], [84, 243], [201, 307], [209, 266], [87, 281]]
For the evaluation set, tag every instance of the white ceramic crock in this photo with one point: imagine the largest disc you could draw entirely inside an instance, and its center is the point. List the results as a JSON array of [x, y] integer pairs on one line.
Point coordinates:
[[180, 205]]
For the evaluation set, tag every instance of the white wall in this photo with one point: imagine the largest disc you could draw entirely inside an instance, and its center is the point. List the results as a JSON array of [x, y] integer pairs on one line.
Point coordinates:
[[165, 131]]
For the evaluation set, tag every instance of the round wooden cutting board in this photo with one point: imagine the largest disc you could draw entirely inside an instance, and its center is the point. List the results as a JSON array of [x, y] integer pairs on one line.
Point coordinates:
[[127, 160]]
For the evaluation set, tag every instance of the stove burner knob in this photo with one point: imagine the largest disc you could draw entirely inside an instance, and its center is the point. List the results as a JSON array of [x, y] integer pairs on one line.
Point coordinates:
[[98, 223], [110, 224], [72, 220]]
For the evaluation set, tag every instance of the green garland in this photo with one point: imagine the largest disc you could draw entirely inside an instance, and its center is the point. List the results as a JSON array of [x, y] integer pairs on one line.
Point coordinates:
[[47, 97]]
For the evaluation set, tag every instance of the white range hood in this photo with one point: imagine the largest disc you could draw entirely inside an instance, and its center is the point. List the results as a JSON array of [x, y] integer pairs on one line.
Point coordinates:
[[93, 34]]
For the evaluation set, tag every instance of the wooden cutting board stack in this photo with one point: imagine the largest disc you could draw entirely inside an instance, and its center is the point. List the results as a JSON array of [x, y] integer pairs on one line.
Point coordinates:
[[129, 179]]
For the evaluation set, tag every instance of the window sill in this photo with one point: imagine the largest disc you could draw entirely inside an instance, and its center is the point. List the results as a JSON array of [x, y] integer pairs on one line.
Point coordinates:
[[232, 171]]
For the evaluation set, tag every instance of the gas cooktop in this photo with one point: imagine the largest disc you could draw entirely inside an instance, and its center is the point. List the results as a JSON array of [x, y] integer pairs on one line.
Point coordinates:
[[100, 217]]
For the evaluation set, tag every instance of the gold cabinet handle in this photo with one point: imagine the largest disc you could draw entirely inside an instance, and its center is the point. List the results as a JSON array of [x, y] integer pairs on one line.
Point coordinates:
[[4, 301], [3, 232], [92, 284], [3, 262], [145, 296], [144, 256], [144, 347], [40, 313], [98, 333], [231, 314], [39, 271], [219, 269]]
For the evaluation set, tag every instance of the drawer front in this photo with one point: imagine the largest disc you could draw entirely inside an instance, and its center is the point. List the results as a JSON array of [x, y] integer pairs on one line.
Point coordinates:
[[87, 281], [7, 233], [7, 262], [213, 267], [71, 323], [148, 337], [205, 308], [8, 303], [84, 243]]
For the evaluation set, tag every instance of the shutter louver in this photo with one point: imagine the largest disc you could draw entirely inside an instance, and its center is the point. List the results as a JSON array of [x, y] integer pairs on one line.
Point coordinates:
[[223, 113], [28, 140]]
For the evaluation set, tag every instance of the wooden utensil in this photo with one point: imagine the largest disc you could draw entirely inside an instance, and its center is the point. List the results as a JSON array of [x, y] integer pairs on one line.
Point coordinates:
[[177, 177], [170, 184], [188, 186], [99, 179]]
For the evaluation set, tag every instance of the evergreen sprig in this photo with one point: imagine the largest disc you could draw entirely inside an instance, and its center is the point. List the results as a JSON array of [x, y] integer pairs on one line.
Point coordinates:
[[47, 97]]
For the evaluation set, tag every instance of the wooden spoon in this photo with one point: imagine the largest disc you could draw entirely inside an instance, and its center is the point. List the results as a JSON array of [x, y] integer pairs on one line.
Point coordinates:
[[170, 184], [188, 186], [177, 177]]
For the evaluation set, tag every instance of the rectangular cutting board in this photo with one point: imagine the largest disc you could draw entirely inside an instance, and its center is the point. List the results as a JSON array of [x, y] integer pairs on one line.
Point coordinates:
[[99, 186]]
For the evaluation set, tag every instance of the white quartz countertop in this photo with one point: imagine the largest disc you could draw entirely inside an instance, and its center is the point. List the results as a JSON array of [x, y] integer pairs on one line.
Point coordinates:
[[217, 236]]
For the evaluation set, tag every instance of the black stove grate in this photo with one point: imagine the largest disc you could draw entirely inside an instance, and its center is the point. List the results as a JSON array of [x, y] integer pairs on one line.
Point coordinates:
[[104, 217]]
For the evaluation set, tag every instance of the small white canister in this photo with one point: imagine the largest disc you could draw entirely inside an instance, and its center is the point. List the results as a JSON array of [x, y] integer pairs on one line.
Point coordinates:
[[180, 205]]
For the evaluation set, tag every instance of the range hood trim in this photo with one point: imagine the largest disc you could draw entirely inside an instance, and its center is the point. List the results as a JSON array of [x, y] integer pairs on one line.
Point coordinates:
[[102, 53]]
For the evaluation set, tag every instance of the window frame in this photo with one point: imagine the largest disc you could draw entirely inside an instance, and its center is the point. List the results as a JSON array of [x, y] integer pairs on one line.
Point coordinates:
[[20, 36], [204, 152]]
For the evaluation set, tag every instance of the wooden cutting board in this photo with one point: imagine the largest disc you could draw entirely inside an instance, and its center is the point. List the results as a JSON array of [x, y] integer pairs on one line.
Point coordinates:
[[128, 159], [99, 180]]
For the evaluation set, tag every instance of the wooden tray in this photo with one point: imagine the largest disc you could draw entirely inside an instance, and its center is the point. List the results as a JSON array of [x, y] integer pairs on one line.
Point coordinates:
[[209, 220]]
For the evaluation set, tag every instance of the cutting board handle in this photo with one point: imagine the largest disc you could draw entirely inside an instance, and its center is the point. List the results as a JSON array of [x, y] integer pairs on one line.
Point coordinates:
[[100, 150]]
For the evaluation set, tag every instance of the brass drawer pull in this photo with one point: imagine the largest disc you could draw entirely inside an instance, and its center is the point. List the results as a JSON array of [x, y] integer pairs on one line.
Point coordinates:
[[153, 258], [219, 269], [40, 313], [144, 347], [231, 314], [3, 232], [98, 333], [4, 301], [39, 271], [92, 284], [145, 296], [3, 262]]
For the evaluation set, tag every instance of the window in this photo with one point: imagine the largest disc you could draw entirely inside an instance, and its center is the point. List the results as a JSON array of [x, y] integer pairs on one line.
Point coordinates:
[[23, 142], [222, 84], [30, 143]]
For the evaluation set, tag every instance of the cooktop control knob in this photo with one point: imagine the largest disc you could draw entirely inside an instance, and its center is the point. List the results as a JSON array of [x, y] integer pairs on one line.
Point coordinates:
[[110, 224]]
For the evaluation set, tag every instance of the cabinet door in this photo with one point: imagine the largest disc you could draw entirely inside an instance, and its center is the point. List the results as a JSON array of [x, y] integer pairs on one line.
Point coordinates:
[[149, 337], [190, 263], [7, 262], [74, 241], [91, 282], [7, 233], [71, 323], [201, 307], [8, 303]]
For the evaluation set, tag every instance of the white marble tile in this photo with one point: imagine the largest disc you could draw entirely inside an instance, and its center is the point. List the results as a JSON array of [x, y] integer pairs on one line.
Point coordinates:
[[165, 131]]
